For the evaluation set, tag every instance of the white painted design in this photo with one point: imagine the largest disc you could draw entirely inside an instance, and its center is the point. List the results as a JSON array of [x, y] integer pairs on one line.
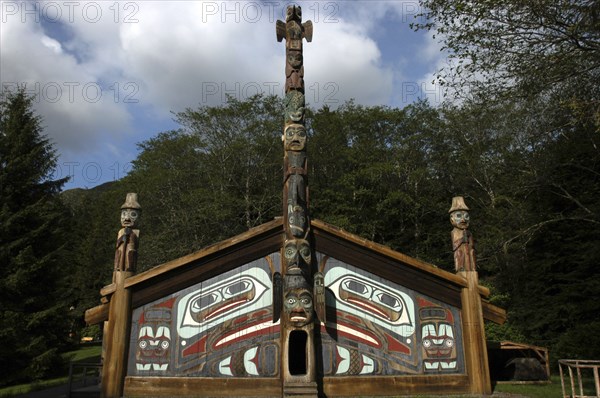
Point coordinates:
[[368, 365], [390, 308], [248, 364], [353, 332], [224, 367], [245, 332], [218, 300], [344, 363]]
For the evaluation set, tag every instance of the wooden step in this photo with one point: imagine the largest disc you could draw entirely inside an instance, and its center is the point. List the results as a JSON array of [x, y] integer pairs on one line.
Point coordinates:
[[300, 390]]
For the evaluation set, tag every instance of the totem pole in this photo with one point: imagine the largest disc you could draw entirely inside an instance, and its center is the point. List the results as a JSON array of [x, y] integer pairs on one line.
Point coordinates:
[[116, 334], [472, 316], [462, 240], [297, 319]]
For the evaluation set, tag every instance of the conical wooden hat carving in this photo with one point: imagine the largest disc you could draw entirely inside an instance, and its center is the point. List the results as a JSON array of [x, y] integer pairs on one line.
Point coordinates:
[[131, 202], [458, 203]]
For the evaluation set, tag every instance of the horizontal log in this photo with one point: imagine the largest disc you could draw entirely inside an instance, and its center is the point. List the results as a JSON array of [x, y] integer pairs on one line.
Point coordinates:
[[202, 387], [493, 313], [95, 315], [272, 387], [442, 385]]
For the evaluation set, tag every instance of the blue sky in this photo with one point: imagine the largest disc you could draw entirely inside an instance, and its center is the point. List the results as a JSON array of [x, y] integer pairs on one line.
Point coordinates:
[[109, 74]]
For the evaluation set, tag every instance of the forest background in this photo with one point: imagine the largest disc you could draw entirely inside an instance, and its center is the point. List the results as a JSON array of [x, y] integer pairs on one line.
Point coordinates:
[[518, 137]]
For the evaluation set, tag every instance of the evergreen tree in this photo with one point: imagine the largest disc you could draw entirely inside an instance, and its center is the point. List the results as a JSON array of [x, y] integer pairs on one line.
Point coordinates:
[[33, 321]]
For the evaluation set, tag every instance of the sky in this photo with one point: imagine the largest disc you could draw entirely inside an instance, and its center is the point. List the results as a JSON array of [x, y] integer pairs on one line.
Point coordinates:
[[107, 75]]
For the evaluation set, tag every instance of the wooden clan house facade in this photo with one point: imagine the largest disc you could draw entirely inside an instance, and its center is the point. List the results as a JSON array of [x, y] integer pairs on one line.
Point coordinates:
[[295, 307]]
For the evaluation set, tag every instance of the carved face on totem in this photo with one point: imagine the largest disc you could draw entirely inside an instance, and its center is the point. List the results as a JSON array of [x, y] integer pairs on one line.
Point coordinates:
[[129, 217], [460, 219], [295, 137], [294, 58], [296, 250], [298, 306], [297, 220], [294, 106]]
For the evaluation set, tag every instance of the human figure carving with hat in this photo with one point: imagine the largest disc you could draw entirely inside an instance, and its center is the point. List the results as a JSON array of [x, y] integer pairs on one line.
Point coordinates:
[[128, 236], [462, 239]]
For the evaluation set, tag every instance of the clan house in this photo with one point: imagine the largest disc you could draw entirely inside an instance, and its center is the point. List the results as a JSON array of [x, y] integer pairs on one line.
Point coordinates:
[[295, 307]]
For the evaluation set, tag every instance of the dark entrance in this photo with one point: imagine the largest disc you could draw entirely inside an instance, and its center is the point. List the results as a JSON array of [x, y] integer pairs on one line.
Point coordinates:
[[297, 352]]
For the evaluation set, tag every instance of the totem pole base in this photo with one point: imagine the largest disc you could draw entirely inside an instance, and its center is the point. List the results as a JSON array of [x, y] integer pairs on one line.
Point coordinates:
[[473, 328], [300, 390], [117, 339]]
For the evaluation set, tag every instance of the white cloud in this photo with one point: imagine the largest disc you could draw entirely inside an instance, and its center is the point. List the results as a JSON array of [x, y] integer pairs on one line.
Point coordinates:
[[169, 55], [74, 111]]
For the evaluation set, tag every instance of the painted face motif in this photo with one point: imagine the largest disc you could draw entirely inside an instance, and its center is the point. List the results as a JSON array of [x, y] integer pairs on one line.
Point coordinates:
[[295, 137], [129, 217], [437, 338], [460, 219], [154, 340], [439, 351], [298, 305]]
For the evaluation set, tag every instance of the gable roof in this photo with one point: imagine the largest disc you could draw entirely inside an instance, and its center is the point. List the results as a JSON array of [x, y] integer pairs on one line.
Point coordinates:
[[267, 238]]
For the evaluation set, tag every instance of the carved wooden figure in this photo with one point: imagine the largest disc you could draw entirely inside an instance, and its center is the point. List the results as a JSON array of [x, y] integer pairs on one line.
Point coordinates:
[[462, 240], [127, 238]]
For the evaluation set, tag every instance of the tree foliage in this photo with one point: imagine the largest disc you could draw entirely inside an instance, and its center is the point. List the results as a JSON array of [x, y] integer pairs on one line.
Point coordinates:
[[214, 178], [515, 48], [535, 66], [34, 322]]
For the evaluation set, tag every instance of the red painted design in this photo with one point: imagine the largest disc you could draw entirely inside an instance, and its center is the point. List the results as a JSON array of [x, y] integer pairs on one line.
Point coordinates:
[[425, 303], [353, 318], [396, 345], [243, 335], [196, 348]]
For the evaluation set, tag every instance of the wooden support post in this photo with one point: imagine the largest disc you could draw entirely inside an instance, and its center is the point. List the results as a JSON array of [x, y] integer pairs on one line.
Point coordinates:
[[117, 339], [476, 356]]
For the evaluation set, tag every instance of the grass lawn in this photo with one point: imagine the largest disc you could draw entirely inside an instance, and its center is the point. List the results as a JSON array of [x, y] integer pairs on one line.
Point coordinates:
[[83, 354], [550, 390]]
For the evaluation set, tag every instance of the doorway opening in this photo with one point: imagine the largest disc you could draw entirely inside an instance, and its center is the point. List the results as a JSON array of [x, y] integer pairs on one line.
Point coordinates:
[[297, 352]]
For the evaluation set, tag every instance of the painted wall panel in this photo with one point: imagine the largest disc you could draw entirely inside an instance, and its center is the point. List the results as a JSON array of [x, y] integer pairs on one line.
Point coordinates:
[[218, 328], [376, 327], [223, 327]]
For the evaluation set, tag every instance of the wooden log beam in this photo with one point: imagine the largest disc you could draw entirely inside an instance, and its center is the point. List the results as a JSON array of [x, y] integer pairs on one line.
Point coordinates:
[[95, 315]]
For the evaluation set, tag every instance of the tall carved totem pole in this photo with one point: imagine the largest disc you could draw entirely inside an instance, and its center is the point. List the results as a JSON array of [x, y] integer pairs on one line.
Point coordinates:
[[296, 284]]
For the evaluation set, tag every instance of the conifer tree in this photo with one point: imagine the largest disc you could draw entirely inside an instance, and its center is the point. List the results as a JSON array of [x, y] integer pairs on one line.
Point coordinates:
[[33, 320]]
